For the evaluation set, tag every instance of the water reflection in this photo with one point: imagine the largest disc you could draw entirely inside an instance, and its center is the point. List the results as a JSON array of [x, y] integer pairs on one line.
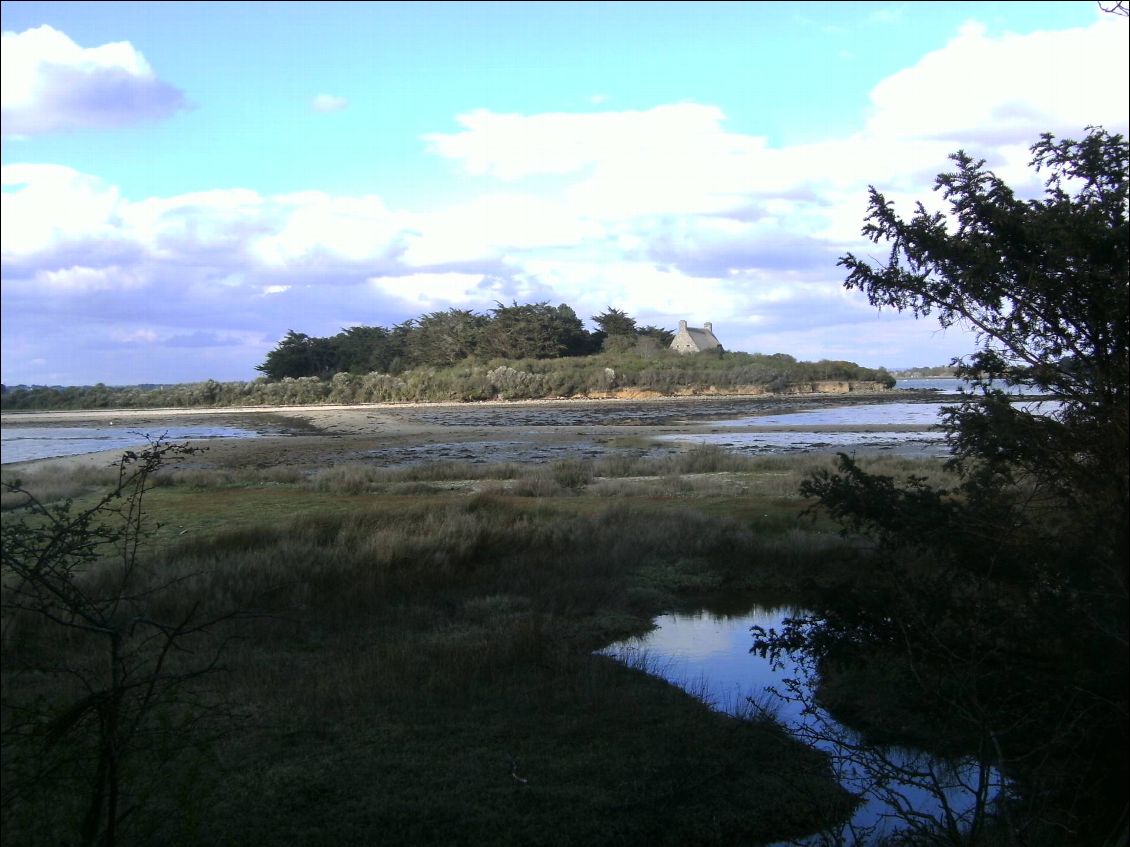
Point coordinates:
[[708, 655], [907, 428], [911, 429], [946, 385], [878, 414], [23, 443]]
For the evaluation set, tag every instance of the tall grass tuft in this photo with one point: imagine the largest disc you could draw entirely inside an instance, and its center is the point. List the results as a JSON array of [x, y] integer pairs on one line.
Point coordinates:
[[51, 482]]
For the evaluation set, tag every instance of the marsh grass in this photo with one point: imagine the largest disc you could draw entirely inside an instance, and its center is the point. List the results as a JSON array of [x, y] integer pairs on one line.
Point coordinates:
[[697, 470], [51, 483], [224, 477], [419, 670], [539, 482], [352, 478], [416, 658]]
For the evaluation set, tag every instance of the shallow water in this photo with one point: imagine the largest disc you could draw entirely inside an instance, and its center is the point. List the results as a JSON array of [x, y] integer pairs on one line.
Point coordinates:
[[942, 384], [23, 443], [924, 414], [824, 438], [919, 439], [952, 386], [655, 412], [709, 655]]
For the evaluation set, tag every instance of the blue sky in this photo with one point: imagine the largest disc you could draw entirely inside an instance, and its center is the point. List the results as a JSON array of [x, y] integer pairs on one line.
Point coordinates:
[[184, 182]]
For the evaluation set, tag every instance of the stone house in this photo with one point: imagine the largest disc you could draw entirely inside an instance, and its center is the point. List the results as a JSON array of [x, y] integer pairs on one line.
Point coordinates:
[[693, 339]]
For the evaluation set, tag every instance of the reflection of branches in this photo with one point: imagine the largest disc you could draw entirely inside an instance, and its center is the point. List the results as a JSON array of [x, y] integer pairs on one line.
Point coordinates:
[[101, 655], [1116, 8], [1021, 734], [904, 793]]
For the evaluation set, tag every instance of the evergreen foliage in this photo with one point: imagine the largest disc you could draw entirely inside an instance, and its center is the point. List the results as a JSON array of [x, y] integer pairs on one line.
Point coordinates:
[[641, 368], [1003, 600]]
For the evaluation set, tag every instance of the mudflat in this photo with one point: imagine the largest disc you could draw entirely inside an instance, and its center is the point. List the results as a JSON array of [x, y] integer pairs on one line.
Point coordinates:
[[316, 436]]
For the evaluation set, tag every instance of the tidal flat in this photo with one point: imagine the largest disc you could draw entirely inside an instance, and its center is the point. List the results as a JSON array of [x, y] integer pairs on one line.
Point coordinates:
[[313, 436], [409, 647]]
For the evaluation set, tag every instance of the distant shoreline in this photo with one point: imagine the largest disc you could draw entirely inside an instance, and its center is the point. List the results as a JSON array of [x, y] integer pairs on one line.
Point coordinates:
[[100, 415]]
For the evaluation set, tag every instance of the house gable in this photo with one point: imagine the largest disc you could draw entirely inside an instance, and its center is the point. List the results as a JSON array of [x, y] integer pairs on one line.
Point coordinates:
[[692, 339]]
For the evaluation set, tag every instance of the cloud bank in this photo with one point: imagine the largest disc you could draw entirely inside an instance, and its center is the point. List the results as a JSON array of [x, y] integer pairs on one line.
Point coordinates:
[[51, 84], [664, 212]]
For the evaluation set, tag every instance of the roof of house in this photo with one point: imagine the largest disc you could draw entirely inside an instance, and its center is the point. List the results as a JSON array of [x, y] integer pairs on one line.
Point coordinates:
[[700, 338], [703, 338]]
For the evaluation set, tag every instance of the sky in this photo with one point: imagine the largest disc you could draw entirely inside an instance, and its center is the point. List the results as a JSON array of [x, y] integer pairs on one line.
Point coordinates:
[[183, 183]]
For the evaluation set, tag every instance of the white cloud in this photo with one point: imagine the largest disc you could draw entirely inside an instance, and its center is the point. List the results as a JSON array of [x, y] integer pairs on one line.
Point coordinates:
[[79, 279], [170, 226], [990, 93], [433, 291], [494, 225], [663, 212], [513, 146], [1001, 89], [48, 83], [50, 208], [328, 103], [135, 336], [43, 205], [306, 224], [640, 288]]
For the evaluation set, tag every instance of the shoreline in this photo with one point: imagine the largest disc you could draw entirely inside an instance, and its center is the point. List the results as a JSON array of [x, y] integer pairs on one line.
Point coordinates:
[[320, 436], [17, 416]]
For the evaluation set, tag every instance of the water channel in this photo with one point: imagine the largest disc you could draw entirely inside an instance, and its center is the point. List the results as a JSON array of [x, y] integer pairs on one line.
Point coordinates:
[[709, 655]]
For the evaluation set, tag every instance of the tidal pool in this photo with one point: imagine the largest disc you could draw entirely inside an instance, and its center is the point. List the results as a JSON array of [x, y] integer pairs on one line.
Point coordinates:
[[866, 428], [709, 656]]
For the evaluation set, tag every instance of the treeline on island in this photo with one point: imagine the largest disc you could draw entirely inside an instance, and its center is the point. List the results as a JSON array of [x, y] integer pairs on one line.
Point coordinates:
[[517, 352], [443, 339], [934, 372]]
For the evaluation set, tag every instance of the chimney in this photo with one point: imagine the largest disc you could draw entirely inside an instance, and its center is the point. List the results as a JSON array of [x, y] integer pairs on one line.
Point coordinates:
[[708, 327]]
